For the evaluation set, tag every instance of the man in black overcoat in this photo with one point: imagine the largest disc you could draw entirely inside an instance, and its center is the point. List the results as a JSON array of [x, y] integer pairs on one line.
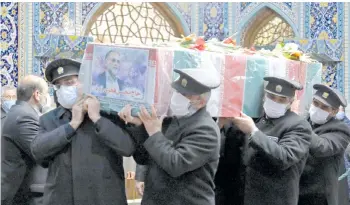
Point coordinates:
[[276, 147], [82, 147], [330, 137], [181, 152]]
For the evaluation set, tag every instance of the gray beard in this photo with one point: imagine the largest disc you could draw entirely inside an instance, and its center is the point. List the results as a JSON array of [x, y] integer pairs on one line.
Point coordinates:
[[191, 111]]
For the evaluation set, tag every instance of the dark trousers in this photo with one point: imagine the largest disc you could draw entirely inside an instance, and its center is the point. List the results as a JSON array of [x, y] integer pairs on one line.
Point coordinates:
[[313, 199]]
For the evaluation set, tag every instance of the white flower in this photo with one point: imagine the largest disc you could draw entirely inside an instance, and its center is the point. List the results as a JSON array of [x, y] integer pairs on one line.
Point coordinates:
[[290, 47]]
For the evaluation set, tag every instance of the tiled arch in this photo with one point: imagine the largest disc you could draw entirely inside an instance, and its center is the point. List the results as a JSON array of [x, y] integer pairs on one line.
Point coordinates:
[[248, 14]]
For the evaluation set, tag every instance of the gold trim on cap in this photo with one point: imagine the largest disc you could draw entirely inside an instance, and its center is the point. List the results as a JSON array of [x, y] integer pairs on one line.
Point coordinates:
[[325, 95], [184, 82], [60, 70], [279, 88]]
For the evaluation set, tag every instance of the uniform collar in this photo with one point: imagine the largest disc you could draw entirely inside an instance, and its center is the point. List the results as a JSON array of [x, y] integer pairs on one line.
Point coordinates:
[[61, 111]]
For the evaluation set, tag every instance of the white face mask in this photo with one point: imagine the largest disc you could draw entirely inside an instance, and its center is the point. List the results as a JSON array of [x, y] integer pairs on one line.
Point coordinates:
[[317, 115], [67, 96], [7, 104], [179, 105], [273, 109]]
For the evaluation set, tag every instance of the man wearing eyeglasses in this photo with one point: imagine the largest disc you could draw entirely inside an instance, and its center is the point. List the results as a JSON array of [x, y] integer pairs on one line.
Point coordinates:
[[330, 137], [108, 78], [81, 147]]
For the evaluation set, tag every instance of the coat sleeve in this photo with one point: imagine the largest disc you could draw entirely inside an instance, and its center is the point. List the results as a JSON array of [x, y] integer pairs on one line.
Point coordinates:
[[193, 151], [289, 150], [141, 171], [48, 143], [28, 127], [328, 144], [139, 135], [115, 137]]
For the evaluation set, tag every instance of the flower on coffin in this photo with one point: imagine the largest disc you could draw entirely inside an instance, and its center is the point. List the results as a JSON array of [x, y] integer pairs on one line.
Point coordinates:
[[199, 44], [188, 40], [229, 40], [290, 47], [289, 50]]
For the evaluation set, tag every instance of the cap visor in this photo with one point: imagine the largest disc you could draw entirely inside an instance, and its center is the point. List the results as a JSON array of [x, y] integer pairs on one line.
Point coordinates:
[[278, 94], [54, 80], [322, 101], [182, 90]]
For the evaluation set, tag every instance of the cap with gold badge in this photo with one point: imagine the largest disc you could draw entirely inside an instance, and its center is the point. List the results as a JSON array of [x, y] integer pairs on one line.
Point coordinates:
[[281, 86], [196, 81], [60, 68], [329, 96]]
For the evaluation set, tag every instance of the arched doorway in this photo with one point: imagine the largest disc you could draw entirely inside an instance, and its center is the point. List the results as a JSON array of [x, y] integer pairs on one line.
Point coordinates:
[[266, 28], [136, 22]]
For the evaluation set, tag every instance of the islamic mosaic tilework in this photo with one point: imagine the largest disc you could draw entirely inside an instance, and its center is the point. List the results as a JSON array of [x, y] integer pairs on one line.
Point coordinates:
[[87, 7], [243, 17], [332, 73], [53, 17], [50, 47], [185, 9], [244, 5], [324, 20], [9, 43], [213, 19]]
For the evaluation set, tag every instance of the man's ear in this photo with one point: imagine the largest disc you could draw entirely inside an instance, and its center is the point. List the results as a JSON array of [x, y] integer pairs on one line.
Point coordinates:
[[35, 95]]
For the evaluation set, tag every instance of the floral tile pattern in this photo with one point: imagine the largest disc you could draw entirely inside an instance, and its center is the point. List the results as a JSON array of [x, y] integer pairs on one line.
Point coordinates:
[[332, 73], [9, 43], [86, 8], [49, 47], [324, 20], [53, 17], [244, 5], [185, 9], [214, 19]]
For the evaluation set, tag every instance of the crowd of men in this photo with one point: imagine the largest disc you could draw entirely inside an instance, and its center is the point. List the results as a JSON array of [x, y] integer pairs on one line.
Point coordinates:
[[186, 158]]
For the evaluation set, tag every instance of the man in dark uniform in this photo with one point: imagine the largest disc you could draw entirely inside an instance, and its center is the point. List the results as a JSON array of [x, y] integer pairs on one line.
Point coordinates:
[[82, 149], [330, 137], [20, 128], [277, 147], [181, 152]]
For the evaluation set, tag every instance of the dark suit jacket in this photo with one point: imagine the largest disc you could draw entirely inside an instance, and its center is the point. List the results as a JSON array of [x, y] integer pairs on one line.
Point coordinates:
[[182, 160], [85, 166], [20, 128], [101, 80]]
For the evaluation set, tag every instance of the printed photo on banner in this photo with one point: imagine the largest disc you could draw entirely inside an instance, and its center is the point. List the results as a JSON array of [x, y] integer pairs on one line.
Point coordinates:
[[119, 73]]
